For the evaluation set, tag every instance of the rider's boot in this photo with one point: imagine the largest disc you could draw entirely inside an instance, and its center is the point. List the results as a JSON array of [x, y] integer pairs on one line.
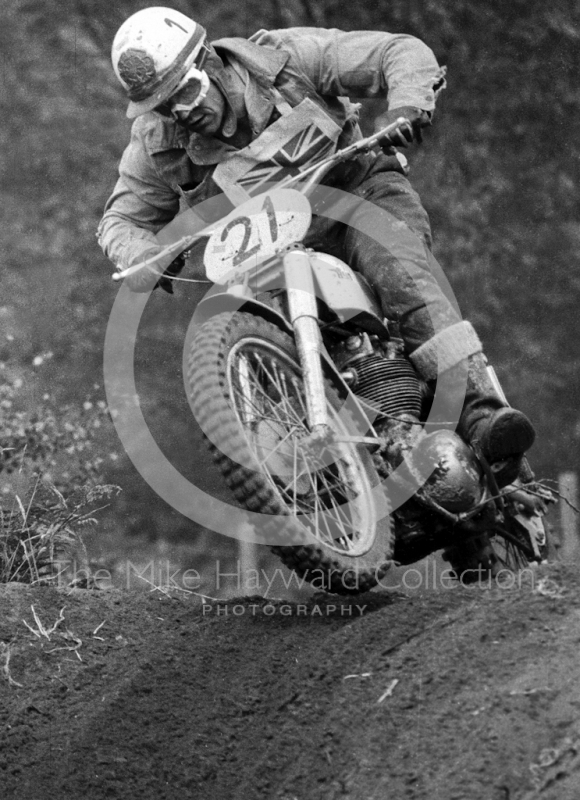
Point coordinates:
[[500, 433], [503, 434]]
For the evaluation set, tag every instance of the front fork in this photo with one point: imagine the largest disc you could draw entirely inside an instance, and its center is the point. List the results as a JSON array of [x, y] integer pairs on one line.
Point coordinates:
[[304, 318]]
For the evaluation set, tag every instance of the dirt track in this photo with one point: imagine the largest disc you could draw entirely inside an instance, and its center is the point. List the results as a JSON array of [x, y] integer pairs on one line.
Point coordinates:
[[282, 700]]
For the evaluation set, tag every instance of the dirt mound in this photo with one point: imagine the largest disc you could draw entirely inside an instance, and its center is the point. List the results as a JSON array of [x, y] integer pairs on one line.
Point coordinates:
[[467, 693]]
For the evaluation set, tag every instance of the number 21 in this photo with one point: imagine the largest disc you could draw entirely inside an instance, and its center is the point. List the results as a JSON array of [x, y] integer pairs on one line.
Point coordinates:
[[243, 253]]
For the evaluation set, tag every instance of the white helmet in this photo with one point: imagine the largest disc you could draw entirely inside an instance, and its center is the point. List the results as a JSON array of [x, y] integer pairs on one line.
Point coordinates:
[[152, 52]]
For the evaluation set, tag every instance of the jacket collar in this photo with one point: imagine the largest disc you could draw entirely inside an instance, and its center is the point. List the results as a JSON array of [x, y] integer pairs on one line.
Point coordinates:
[[263, 62]]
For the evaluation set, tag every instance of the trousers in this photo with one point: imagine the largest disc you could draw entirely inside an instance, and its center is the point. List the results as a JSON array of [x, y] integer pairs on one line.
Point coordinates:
[[385, 235]]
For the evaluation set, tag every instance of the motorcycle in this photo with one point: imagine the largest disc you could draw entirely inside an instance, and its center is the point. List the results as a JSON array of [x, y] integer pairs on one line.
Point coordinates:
[[319, 422]]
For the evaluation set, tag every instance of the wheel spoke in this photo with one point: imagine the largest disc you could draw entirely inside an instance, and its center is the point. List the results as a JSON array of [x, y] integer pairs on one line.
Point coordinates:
[[512, 556], [265, 399], [323, 515], [263, 417], [342, 519], [330, 490], [295, 467], [283, 396], [340, 512], [277, 446], [259, 415]]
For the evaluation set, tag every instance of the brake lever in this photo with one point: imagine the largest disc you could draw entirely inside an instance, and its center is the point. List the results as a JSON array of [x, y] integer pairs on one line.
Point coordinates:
[[181, 245]]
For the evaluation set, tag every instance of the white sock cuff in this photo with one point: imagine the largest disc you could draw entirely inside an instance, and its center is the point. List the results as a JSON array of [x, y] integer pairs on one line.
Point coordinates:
[[447, 348]]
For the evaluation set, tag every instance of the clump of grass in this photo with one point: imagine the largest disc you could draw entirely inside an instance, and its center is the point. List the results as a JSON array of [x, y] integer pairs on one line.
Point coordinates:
[[39, 540], [52, 484]]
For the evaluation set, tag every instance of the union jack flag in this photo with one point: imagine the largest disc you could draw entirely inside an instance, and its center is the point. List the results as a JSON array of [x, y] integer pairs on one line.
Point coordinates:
[[295, 155]]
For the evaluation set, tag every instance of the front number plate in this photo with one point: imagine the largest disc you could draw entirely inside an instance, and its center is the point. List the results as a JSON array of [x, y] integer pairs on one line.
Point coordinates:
[[256, 230]]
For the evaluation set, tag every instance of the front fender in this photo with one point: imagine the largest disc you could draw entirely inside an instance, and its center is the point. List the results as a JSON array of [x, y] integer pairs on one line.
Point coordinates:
[[226, 301]]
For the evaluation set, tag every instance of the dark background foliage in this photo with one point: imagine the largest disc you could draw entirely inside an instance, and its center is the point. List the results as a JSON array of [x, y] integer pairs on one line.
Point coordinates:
[[499, 174]]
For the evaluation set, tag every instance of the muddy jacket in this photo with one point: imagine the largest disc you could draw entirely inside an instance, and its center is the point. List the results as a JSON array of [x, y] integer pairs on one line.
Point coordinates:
[[164, 166]]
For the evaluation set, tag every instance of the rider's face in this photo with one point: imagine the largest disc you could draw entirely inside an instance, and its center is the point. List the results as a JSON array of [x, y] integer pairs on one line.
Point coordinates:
[[207, 117]]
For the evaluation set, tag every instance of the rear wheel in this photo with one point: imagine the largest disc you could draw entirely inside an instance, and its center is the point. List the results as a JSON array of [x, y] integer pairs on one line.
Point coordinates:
[[246, 391], [513, 549], [473, 559], [505, 547]]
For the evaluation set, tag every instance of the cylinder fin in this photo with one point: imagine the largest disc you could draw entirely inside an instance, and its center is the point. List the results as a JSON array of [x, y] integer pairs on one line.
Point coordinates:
[[391, 385]]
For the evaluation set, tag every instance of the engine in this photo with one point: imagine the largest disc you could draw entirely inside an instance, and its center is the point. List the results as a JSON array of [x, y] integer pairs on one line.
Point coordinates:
[[379, 374], [444, 469]]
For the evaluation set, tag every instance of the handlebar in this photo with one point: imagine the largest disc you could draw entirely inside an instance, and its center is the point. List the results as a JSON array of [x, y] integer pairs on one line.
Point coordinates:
[[319, 170], [314, 173]]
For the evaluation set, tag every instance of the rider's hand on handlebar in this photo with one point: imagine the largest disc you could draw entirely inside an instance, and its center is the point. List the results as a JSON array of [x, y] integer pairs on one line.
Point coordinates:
[[173, 269], [146, 279], [406, 134]]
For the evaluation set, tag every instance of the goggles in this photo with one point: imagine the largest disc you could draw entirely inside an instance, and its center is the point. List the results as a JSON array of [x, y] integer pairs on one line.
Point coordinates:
[[189, 93]]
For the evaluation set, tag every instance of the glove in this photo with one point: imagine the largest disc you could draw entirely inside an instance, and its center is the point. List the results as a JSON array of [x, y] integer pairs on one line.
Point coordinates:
[[406, 134], [173, 269], [145, 279]]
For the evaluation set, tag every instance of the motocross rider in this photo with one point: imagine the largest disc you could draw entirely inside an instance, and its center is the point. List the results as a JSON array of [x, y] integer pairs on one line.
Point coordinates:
[[199, 106]]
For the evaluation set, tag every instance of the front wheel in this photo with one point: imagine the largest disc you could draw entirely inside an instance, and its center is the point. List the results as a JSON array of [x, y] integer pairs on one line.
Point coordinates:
[[246, 391]]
